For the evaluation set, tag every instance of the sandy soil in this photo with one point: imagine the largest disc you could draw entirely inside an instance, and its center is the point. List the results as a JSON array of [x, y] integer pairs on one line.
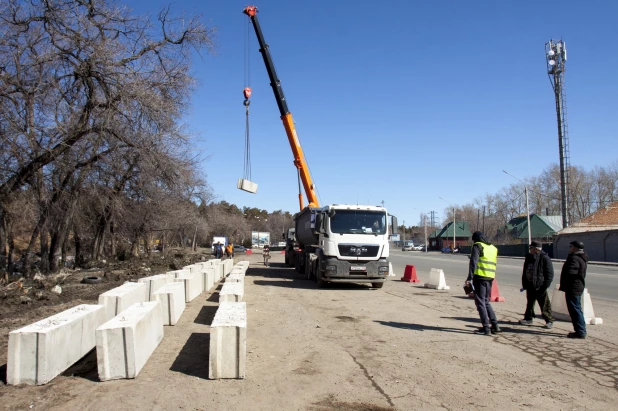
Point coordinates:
[[349, 347]]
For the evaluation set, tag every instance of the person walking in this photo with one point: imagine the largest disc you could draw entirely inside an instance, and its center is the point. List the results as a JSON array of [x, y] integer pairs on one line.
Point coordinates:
[[481, 273], [538, 273], [218, 250], [229, 250], [573, 283]]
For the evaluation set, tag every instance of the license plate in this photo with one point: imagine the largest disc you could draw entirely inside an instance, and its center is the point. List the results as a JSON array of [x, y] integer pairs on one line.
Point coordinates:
[[358, 268]]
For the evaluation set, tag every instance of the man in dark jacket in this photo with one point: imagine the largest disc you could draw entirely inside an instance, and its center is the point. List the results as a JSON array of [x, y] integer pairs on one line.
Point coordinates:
[[481, 274], [573, 282], [536, 278]]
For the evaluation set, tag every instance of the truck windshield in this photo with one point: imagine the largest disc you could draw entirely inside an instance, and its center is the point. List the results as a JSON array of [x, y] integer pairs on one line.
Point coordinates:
[[358, 222]]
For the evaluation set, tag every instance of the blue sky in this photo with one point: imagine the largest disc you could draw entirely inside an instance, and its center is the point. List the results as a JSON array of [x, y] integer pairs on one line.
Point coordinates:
[[401, 101]]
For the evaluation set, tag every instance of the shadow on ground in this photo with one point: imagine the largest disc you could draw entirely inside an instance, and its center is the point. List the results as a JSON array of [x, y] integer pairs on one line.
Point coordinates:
[[206, 315], [193, 357], [85, 368]]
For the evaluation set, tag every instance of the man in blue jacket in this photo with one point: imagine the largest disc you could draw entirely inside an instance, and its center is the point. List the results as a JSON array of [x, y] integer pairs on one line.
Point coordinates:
[[573, 283]]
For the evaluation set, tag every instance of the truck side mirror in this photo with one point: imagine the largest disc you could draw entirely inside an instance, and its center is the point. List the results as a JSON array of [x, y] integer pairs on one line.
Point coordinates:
[[318, 224], [395, 226]]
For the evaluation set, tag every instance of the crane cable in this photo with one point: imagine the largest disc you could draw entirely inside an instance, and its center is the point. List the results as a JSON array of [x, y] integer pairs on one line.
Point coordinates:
[[247, 93]]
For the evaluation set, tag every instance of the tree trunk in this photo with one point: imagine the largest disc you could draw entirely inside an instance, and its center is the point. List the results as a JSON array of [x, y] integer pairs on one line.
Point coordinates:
[[33, 238], [44, 239], [112, 233], [194, 246], [79, 261], [3, 242]]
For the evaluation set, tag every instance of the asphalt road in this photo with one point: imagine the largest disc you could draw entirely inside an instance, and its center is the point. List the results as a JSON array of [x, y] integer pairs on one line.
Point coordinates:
[[601, 280]]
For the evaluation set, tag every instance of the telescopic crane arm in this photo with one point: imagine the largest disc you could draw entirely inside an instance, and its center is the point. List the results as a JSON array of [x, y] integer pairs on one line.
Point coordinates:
[[286, 116]]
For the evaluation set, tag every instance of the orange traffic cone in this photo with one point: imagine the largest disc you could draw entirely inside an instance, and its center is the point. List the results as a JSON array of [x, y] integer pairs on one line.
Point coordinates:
[[409, 275], [495, 293], [494, 296]]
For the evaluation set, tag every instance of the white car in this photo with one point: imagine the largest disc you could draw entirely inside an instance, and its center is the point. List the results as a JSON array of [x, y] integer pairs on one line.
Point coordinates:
[[408, 246], [420, 247]]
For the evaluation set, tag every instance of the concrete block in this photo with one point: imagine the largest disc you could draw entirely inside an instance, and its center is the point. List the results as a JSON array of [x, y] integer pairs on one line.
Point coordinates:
[[126, 342], [176, 273], [437, 280], [172, 300], [208, 278], [154, 283], [240, 267], [235, 277], [243, 263], [193, 285], [40, 351], [228, 342], [228, 265], [560, 311], [232, 292], [120, 298]]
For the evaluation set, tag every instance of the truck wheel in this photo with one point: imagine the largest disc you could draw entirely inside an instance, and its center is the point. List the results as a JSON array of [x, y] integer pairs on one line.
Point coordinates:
[[377, 285], [307, 268], [287, 259], [318, 275]]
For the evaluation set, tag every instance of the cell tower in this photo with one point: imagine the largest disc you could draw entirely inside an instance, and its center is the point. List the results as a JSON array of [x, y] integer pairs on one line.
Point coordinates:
[[556, 56]]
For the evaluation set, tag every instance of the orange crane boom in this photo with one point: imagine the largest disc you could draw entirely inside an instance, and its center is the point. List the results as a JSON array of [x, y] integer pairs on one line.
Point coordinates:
[[286, 116]]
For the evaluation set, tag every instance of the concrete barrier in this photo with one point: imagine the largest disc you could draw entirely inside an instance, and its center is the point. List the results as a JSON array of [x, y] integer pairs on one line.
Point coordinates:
[[126, 342], [436, 280], [235, 277], [176, 273], [208, 278], [244, 263], [40, 351], [120, 298], [560, 311], [172, 299], [228, 342], [192, 285], [154, 283], [232, 292]]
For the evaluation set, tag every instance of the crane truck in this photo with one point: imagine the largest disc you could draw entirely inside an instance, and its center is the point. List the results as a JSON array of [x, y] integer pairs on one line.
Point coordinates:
[[337, 242]]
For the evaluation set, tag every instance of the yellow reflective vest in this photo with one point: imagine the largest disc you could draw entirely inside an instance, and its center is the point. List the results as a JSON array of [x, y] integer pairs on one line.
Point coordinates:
[[486, 266]]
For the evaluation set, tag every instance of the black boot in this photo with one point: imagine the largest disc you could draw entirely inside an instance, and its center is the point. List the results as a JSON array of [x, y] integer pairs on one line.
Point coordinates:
[[495, 329], [483, 331]]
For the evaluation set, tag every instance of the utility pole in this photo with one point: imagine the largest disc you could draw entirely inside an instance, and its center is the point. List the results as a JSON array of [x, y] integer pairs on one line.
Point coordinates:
[[556, 56]]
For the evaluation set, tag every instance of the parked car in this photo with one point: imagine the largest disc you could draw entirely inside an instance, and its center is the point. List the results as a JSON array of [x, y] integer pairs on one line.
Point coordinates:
[[419, 247], [408, 246], [239, 249]]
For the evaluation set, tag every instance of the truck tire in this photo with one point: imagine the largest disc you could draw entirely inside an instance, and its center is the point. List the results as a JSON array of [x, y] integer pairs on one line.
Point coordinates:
[[308, 268], [318, 275], [287, 259], [377, 285]]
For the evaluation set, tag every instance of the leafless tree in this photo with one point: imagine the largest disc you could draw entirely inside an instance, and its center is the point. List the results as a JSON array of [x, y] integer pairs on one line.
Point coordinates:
[[80, 79]]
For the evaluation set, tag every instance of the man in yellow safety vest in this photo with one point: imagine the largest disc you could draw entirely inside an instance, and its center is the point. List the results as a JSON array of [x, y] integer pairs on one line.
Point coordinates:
[[481, 274]]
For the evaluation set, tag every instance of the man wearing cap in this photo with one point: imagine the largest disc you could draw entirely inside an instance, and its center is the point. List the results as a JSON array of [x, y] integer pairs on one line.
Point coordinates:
[[481, 272], [536, 278], [573, 282]]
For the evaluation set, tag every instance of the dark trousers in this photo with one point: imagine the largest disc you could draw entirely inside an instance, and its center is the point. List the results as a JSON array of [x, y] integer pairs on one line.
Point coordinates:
[[574, 305], [541, 297], [482, 291]]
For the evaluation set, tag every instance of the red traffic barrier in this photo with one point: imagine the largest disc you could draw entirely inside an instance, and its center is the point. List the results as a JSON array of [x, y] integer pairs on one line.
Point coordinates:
[[248, 251], [282, 251], [409, 275]]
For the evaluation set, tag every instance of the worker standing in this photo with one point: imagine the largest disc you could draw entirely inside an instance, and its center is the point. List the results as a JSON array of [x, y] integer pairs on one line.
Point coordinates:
[[537, 275], [481, 273]]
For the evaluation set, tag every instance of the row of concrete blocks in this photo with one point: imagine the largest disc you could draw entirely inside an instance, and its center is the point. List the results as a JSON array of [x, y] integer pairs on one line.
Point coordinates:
[[125, 327], [228, 331]]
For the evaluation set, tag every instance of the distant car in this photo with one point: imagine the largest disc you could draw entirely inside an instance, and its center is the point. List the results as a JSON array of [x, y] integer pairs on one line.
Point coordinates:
[[239, 249], [419, 247], [408, 246]]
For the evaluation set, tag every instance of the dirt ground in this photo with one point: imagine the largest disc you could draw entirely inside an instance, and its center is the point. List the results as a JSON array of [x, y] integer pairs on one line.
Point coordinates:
[[346, 347]]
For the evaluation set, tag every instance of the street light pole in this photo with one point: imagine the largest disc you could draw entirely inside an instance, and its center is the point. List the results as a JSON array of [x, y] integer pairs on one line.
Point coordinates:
[[527, 206], [454, 226]]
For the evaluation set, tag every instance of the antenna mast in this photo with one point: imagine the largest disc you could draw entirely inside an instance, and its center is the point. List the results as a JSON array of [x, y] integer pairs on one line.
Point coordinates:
[[556, 56]]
